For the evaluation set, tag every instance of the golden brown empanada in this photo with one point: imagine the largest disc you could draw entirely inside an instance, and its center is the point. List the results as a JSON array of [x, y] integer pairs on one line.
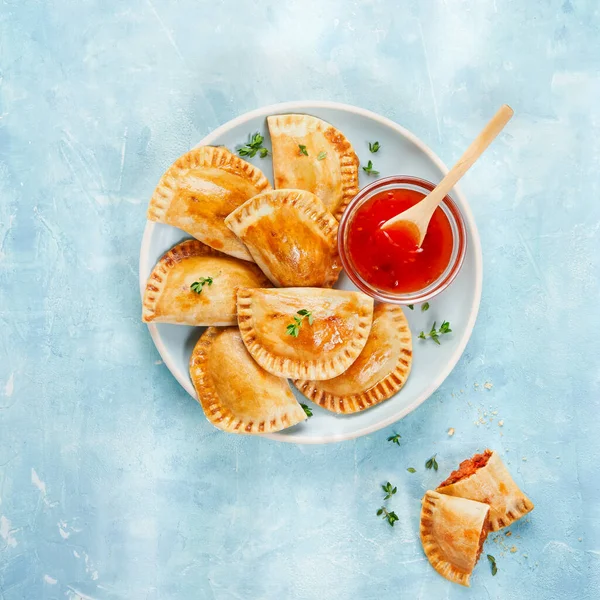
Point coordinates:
[[377, 374], [200, 189], [453, 531], [236, 394], [170, 298], [292, 238], [304, 333], [485, 478], [328, 168]]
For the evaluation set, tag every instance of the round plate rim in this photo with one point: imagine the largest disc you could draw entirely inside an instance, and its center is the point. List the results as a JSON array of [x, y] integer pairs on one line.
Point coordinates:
[[304, 106]]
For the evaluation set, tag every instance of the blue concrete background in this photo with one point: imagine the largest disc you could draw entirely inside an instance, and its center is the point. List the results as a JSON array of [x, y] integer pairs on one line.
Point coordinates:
[[112, 484]]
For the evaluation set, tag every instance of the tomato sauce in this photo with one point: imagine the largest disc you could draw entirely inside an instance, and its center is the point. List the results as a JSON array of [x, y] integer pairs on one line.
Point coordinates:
[[391, 260]]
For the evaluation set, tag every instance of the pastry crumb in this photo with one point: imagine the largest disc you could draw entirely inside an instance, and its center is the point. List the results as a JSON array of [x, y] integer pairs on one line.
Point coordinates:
[[524, 459], [488, 385], [494, 412], [451, 431], [476, 385], [500, 422], [513, 549], [508, 533], [580, 539], [525, 555]]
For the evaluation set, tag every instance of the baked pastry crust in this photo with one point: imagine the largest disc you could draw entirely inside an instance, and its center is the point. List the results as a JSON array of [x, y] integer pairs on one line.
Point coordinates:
[[492, 484], [378, 373], [236, 394], [452, 533], [169, 298], [334, 179], [291, 237], [323, 349], [200, 189]]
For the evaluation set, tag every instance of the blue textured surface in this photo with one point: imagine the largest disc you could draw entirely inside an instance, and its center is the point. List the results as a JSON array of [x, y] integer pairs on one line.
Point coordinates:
[[112, 484]]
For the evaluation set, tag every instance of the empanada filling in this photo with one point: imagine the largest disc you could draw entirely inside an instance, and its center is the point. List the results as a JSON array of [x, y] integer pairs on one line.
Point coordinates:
[[487, 527], [467, 468]]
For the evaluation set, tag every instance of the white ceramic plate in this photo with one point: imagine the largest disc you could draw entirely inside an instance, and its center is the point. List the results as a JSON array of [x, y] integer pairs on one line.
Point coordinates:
[[401, 153]]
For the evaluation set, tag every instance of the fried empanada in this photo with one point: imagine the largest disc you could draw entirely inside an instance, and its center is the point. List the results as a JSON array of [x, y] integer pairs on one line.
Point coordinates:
[[292, 238], [453, 531], [485, 478], [304, 333], [377, 374], [310, 154], [193, 284], [236, 394], [200, 189]]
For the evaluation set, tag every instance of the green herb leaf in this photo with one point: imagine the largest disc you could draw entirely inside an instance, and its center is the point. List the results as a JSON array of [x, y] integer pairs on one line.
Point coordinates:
[[425, 307], [493, 566], [253, 146], [391, 517], [411, 470], [293, 329], [411, 306], [303, 149], [321, 155], [307, 410], [395, 439], [197, 286], [432, 463], [389, 490], [369, 170], [434, 334], [374, 146]]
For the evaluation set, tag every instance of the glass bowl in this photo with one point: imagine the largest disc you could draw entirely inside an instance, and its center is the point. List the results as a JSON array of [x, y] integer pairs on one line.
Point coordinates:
[[459, 237]]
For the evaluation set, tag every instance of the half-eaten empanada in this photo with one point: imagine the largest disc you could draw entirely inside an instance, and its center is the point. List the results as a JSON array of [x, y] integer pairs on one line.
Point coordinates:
[[236, 394], [485, 478], [193, 284], [304, 333], [200, 189], [453, 531], [377, 374], [290, 236], [310, 154]]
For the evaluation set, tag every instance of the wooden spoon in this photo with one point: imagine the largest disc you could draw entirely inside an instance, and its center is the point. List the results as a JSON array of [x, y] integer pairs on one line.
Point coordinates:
[[416, 219]]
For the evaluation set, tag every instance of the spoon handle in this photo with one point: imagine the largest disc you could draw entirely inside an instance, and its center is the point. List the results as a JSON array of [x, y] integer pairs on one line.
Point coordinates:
[[471, 154]]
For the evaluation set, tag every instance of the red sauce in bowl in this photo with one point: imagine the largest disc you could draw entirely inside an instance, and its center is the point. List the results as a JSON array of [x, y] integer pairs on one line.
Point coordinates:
[[391, 260]]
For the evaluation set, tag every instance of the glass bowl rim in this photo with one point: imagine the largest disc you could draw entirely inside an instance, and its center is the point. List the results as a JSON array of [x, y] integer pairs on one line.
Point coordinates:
[[460, 242]]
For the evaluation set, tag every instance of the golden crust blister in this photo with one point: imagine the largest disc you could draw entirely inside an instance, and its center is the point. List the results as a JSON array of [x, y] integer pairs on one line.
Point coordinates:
[[333, 179], [236, 394], [290, 236], [323, 349], [493, 485], [377, 374], [200, 189], [168, 297], [452, 533]]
